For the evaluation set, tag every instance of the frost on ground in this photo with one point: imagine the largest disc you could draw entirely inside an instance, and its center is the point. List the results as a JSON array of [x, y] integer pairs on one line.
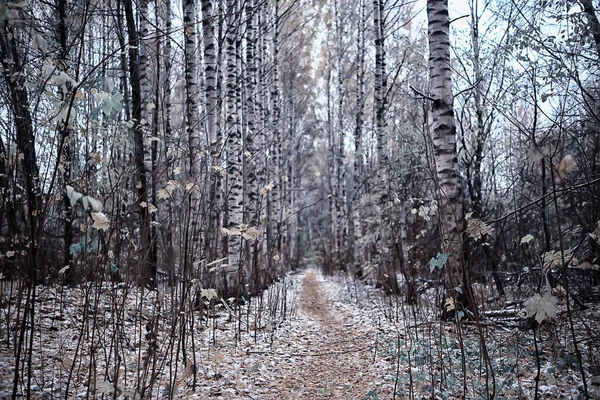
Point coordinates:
[[306, 337], [292, 342]]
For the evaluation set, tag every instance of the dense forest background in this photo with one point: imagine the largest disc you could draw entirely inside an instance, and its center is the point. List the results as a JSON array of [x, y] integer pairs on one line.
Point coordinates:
[[446, 154]]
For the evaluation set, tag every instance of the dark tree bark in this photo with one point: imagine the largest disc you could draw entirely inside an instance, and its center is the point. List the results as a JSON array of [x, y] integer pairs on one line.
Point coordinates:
[[148, 273]]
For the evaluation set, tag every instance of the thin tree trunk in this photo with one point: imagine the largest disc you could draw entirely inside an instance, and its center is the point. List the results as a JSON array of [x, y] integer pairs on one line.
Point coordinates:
[[276, 143], [387, 271], [62, 33], [191, 109], [148, 273], [234, 165], [354, 219]]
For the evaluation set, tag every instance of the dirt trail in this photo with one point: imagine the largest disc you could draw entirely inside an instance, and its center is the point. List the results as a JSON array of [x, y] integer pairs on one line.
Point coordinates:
[[332, 359]]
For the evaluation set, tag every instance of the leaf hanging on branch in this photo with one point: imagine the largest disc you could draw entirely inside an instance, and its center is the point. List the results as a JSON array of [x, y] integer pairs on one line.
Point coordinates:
[[438, 262], [101, 221], [539, 306], [526, 239], [477, 229], [565, 166]]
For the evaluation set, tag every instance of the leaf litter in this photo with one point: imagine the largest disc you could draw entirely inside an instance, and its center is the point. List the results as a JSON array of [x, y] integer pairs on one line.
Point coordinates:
[[307, 337]]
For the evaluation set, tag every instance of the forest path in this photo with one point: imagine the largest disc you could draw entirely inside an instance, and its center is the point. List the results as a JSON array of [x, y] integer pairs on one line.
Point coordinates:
[[332, 359]]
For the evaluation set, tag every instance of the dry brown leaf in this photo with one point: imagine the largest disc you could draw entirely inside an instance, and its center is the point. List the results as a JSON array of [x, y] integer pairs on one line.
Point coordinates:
[[565, 166]]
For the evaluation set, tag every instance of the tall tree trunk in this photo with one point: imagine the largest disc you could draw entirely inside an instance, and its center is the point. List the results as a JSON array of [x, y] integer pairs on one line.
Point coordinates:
[[387, 271], [234, 165], [191, 109], [62, 33], [168, 128], [213, 133], [331, 177], [276, 145], [443, 130], [251, 155], [484, 122], [136, 75], [340, 176], [354, 221], [14, 77]]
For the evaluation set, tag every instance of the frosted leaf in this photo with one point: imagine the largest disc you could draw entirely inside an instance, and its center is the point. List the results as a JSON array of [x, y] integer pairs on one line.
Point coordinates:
[[167, 192], [47, 70], [231, 231], [152, 208], [554, 258], [539, 306], [438, 262], [276, 257], [64, 81], [163, 194], [176, 171], [104, 387], [208, 294], [95, 204], [38, 42], [424, 212], [101, 221], [64, 113], [449, 304], [264, 191], [110, 84], [73, 195], [85, 203], [250, 233], [526, 239], [220, 170]]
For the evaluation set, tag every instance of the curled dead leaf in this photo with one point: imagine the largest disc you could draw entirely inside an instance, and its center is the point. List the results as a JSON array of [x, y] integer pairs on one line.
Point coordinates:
[[565, 166]]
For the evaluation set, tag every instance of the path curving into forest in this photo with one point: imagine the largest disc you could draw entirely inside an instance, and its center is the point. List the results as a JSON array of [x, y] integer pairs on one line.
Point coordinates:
[[332, 359]]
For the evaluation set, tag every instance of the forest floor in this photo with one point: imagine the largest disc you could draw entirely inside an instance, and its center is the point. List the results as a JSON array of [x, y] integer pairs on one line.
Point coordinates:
[[331, 356], [307, 337]]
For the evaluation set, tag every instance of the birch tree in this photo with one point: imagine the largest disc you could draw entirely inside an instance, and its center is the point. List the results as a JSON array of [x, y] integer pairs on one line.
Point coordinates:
[[387, 270], [191, 99], [234, 147], [443, 131]]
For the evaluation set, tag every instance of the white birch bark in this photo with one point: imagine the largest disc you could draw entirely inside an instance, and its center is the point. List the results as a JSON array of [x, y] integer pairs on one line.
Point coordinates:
[[443, 131], [234, 143], [191, 98], [387, 271], [354, 219], [274, 162]]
